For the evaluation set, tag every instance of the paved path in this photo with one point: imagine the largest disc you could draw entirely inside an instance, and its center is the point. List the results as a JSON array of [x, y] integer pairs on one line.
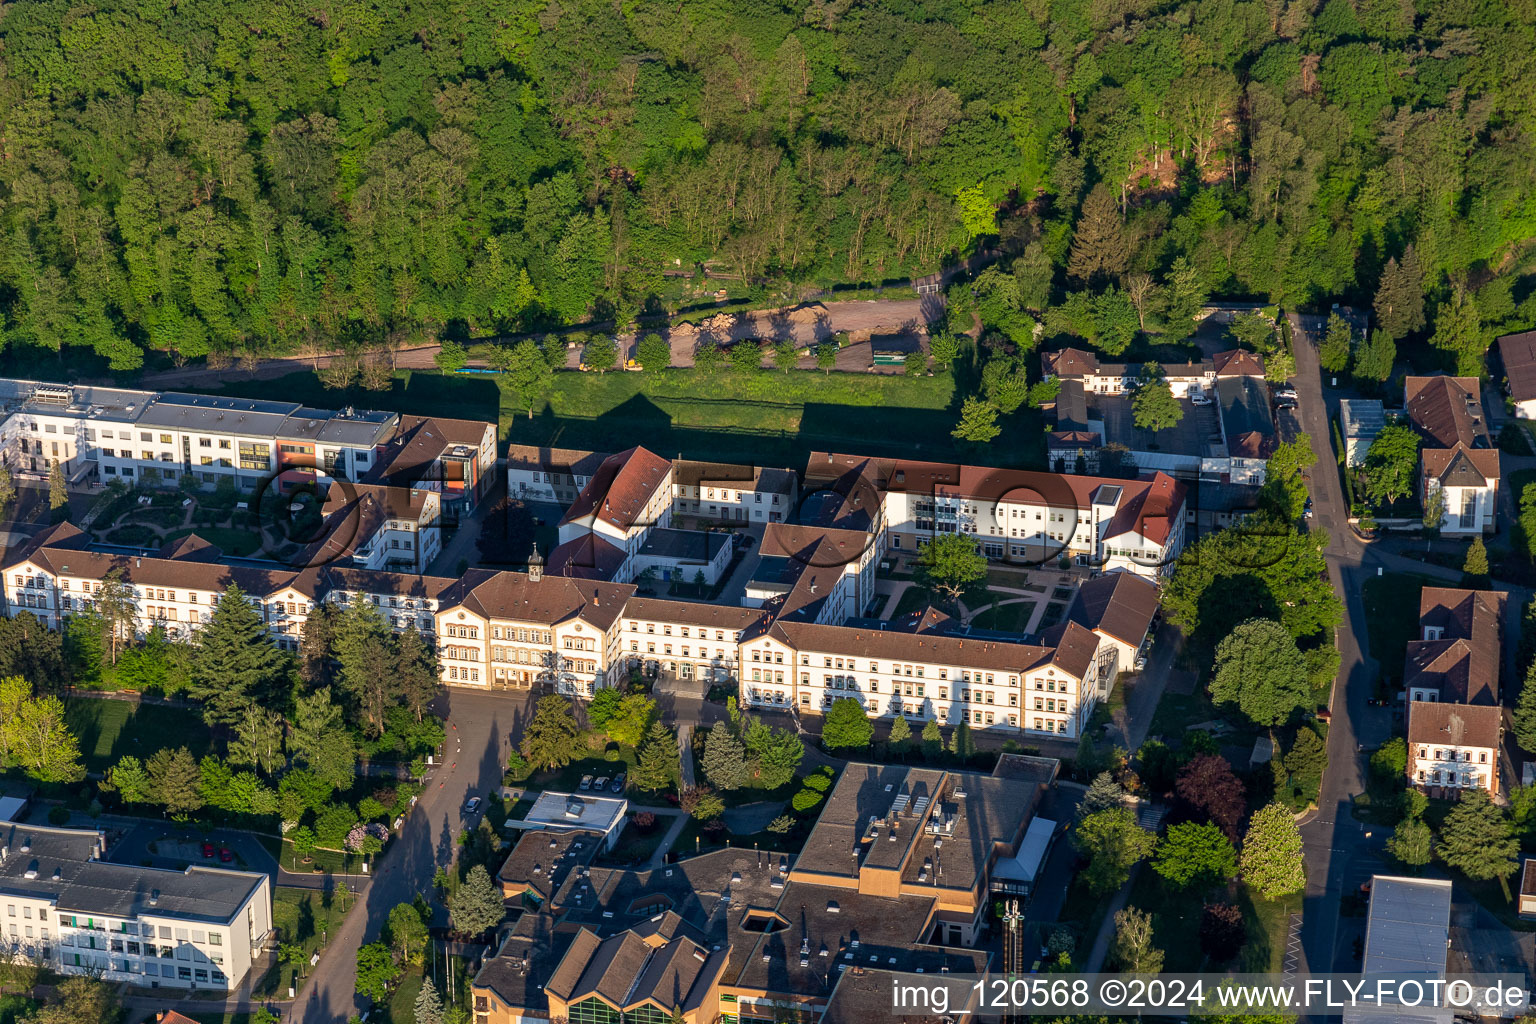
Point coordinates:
[[1130, 723], [1101, 942], [679, 822], [685, 754], [479, 727]]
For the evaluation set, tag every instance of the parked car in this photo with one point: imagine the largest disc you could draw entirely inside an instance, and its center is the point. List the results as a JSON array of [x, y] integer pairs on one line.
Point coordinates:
[[618, 782], [1306, 510], [472, 805], [600, 784], [586, 782], [225, 856], [208, 850], [1141, 661], [1197, 396]]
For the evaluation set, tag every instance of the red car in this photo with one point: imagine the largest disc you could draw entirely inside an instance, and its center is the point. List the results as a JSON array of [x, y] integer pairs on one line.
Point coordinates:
[[207, 849], [225, 855]]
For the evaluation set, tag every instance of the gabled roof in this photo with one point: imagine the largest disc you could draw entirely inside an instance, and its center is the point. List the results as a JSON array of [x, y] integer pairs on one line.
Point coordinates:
[[1447, 410], [1069, 362], [620, 489], [1518, 353], [1238, 363], [587, 557], [192, 548], [158, 572], [1465, 725], [1118, 604], [550, 600], [418, 441], [1464, 662], [574, 461]]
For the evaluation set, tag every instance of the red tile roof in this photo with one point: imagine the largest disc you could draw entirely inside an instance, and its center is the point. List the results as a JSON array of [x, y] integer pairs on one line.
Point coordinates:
[[621, 488], [1518, 353], [1238, 363]]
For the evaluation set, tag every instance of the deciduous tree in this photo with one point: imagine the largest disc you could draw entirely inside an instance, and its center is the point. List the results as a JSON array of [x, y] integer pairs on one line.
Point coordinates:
[[950, 564], [846, 726], [1271, 859], [1260, 669]]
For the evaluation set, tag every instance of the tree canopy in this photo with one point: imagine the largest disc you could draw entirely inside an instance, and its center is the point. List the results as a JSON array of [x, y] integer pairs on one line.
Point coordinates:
[[370, 176], [1259, 668]]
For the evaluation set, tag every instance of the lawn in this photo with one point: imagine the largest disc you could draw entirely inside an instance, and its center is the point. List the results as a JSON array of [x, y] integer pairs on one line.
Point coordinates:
[[402, 1001], [304, 916], [110, 730], [1391, 619], [1008, 618], [767, 417], [1176, 925], [231, 541]]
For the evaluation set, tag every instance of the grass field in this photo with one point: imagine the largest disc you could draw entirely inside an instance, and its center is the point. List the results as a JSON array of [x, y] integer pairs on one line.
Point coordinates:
[[1176, 924], [767, 417], [110, 730], [304, 916], [1391, 619]]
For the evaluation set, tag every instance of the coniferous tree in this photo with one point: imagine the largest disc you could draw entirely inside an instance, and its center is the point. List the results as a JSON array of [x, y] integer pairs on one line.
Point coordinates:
[[1400, 296], [1476, 563], [236, 664], [1476, 838], [901, 734], [416, 671], [657, 765], [1099, 246], [725, 758], [1524, 718], [933, 739], [1375, 357], [550, 739], [1103, 793], [364, 648], [477, 906], [58, 490], [429, 1004], [318, 737], [315, 638], [1183, 300], [175, 780]]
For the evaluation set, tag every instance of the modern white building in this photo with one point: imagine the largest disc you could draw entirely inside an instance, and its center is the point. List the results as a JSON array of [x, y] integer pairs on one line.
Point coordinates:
[[80, 914], [160, 438], [577, 812]]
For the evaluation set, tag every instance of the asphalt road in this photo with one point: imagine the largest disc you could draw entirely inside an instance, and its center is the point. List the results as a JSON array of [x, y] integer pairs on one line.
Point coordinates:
[[479, 728]]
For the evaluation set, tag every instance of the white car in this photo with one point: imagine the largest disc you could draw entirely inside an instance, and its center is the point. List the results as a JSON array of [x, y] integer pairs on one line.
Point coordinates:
[[472, 805], [1199, 398]]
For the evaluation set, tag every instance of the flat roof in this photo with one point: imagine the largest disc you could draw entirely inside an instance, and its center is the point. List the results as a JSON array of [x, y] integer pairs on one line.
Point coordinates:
[[1025, 865], [61, 865], [1361, 417], [685, 545], [1407, 933], [577, 810]]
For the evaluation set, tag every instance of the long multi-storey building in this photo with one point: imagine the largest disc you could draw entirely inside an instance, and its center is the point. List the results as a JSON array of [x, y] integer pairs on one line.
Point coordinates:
[[152, 437], [78, 913], [797, 642]]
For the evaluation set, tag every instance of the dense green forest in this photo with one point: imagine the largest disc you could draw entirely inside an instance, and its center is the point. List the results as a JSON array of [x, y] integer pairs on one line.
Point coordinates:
[[250, 176]]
